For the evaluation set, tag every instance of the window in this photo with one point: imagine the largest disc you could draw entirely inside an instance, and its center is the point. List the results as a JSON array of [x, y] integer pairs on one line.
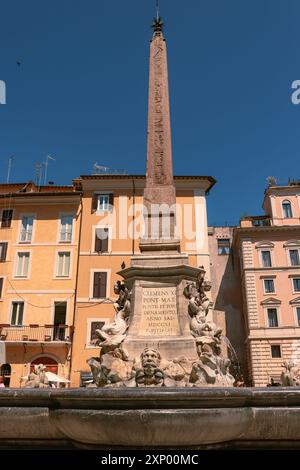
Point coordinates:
[[99, 287], [223, 246], [275, 350], [95, 325], [101, 240], [6, 218], [269, 286], [102, 202], [298, 315], [261, 222], [294, 257], [66, 228], [22, 264], [3, 251], [63, 267], [1, 287], [17, 314], [266, 259], [296, 284], [26, 228], [287, 210], [272, 317]]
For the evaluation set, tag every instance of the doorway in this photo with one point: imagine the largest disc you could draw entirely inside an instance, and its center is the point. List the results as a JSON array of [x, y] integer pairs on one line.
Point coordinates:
[[60, 314], [50, 363]]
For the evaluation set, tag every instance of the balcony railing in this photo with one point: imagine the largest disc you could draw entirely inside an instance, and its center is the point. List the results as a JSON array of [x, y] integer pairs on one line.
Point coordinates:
[[36, 333]]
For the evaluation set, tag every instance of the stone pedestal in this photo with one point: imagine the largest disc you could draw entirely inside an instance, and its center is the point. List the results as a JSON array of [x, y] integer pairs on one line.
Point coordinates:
[[159, 311]]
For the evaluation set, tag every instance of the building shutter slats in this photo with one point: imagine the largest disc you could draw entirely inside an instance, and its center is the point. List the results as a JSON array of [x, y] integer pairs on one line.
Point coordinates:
[[3, 251], [94, 203], [101, 240], [99, 287]]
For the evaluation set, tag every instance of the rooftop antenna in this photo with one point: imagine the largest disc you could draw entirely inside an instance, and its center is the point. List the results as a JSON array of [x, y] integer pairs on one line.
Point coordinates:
[[46, 163], [38, 173], [10, 160]]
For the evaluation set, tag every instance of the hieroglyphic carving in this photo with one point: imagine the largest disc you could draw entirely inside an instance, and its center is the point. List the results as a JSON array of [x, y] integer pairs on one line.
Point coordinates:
[[159, 152]]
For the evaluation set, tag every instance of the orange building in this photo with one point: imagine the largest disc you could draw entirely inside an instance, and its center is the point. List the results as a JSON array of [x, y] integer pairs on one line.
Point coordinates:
[[269, 250], [112, 227], [39, 232]]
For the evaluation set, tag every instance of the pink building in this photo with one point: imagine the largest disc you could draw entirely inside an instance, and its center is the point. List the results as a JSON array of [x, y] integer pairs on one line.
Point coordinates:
[[269, 250]]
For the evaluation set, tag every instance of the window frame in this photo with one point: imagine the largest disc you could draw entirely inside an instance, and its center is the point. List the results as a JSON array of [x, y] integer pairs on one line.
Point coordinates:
[[5, 243], [61, 215], [280, 351], [229, 247], [2, 281], [33, 216], [293, 288], [89, 321], [289, 249], [286, 202], [11, 313], [10, 220], [57, 276], [262, 260], [109, 244], [297, 318], [272, 307], [108, 283], [95, 202], [264, 286]]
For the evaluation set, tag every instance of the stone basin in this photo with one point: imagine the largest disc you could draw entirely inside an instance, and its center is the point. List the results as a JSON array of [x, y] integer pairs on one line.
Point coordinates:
[[140, 418]]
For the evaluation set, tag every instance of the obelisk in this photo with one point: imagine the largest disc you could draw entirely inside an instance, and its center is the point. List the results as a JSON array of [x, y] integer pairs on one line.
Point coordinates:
[[159, 193], [158, 275]]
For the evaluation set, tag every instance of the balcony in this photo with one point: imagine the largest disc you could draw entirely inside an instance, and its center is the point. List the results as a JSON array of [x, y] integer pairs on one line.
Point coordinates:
[[54, 334]]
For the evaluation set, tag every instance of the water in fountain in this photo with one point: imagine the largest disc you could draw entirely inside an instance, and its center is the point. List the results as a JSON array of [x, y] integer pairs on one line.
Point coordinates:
[[233, 357]]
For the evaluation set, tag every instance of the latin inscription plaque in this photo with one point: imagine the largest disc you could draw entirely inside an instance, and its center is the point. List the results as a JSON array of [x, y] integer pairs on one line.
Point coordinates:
[[159, 312]]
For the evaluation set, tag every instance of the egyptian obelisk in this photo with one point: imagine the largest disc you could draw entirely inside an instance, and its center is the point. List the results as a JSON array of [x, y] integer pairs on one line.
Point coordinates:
[[159, 193], [158, 275]]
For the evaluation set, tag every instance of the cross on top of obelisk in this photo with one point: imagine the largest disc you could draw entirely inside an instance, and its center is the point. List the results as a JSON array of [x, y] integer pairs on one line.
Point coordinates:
[[157, 25]]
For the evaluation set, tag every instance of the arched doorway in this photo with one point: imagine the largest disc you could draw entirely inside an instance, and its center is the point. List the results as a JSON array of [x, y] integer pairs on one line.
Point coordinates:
[[5, 372], [50, 363]]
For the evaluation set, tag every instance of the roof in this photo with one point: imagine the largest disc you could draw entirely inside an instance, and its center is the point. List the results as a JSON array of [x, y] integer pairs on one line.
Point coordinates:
[[107, 177]]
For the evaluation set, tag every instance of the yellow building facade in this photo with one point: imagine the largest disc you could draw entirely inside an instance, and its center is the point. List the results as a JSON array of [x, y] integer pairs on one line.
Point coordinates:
[[61, 248], [113, 223]]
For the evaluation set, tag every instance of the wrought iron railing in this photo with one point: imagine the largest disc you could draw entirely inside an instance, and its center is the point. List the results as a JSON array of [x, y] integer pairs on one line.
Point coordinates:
[[36, 333]]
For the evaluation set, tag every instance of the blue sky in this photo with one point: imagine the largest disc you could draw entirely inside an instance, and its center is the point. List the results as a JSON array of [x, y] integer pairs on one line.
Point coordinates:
[[80, 93]]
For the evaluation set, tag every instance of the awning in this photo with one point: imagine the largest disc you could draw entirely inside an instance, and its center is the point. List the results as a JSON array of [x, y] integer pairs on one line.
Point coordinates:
[[56, 378]]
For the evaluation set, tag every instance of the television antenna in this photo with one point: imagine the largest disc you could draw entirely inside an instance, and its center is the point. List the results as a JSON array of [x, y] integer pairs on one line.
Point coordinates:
[[39, 173], [272, 181], [106, 170], [46, 163], [10, 161]]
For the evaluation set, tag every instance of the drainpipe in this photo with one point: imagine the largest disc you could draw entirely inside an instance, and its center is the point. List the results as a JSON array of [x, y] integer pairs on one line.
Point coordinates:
[[76, 288]]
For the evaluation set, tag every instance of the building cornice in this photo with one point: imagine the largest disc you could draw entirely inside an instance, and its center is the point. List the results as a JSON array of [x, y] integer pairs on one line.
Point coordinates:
[[207, 181]]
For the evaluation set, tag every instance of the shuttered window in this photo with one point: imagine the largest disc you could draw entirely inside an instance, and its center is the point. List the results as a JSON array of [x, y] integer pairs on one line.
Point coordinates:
[[101, 240], [17, 313], [6, 218], [22, 265], [1, 287], [66, 227], [99, 287], [26, 228], [63, 266], [102, 202]]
